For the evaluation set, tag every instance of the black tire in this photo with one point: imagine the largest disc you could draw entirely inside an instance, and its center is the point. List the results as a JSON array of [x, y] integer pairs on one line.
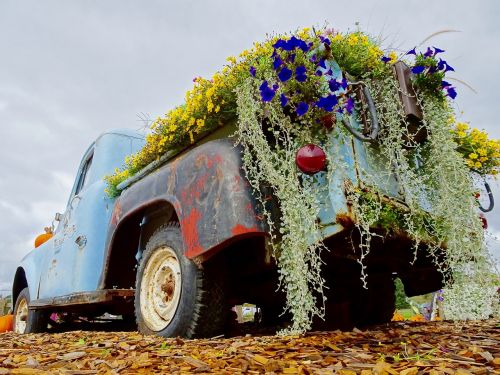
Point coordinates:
[[376, 304], [201, 309], [36, 320]]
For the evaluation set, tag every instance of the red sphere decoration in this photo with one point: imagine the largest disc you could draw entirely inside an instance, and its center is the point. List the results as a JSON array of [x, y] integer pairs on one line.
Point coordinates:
[[310, 159]]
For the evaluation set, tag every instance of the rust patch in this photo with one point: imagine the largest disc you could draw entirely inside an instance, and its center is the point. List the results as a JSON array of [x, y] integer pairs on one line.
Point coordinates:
[[241, 229], [345, 220], [117, 212], [189, 226], [216, 159]]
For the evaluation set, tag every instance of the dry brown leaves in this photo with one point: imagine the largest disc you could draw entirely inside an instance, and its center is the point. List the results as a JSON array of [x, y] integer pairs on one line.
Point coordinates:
[[399, 348]]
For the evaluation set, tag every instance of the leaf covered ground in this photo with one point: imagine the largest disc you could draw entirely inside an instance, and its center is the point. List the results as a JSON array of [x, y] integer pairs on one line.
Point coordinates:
[[397, 348]]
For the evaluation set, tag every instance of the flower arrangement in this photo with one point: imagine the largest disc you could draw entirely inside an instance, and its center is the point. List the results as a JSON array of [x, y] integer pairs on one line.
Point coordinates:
[[298, 89], [481, 154]]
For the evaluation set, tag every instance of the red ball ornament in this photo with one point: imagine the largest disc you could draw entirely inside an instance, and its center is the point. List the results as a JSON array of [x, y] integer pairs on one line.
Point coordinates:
[[310, 159]]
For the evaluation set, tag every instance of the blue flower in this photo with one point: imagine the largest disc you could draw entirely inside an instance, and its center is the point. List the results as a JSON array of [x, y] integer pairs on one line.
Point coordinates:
[[291, 58], [438, 50], [445, 84], [285, 74], [429, 52], [319, 73], [313, 58], [325, 40], [385, 59], [277, 62], [444, 65], [283, 100], [349, 105], [300, 73], [418, 69], [452, 93], [280, 43], [266, 93], [327, 102], [334, 85], [253, 70], [322, 64], [302, 108], [432, 70], [449, 69], [344, 83], [411, 52]]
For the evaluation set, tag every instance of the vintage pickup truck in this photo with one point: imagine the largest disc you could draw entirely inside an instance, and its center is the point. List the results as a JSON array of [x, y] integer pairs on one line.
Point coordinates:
[[185, 241]]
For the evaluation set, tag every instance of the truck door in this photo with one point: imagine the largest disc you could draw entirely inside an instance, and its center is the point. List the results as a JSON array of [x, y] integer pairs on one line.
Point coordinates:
[[61, 274]]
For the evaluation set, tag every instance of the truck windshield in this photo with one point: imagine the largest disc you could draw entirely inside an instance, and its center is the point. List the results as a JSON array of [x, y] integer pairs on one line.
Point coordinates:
[[84, 174]]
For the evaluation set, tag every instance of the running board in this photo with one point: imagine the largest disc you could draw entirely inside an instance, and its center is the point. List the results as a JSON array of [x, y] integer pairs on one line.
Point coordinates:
[[83, 298]]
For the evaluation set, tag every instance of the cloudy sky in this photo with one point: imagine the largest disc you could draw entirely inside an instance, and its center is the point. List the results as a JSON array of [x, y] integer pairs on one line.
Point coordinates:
[[70, 70]]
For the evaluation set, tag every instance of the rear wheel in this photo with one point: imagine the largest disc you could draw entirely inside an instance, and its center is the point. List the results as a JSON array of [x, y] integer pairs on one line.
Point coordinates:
[[26, 320], [174, 296]]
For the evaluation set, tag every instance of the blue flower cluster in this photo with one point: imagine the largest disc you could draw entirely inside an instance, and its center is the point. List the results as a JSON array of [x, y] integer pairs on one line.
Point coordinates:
[[441, 67], [283, 65]]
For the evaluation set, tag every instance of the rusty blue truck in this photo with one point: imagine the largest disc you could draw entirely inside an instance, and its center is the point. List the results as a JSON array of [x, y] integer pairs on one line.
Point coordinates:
[[185, 241]]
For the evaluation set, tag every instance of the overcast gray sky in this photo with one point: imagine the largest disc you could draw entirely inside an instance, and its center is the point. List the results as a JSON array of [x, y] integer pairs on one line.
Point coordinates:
[[70, 70]]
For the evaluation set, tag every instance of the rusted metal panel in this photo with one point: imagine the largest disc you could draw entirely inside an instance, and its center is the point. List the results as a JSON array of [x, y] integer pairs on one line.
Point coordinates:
[[83, 298], [209, 192]]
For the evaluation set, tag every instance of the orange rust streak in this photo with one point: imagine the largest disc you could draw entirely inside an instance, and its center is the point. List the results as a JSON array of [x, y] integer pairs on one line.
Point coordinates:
[[241, 229], [189, 225]]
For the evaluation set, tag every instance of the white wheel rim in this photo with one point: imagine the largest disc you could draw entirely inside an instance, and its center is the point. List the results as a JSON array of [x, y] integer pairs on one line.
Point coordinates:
[[21, 316], [160, 288]]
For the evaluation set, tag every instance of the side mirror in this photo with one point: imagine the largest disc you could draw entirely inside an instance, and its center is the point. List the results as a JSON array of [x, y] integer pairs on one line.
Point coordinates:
[[58, 217]]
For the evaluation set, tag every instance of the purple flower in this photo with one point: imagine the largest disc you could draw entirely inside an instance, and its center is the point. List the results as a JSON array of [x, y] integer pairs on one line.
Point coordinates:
[[322, 63], [385, 59], [444, 65], [266, 93], [418, 69], [349, 105], [432, 70], [452, 93], [291, 58], [277, 62], [325, 40], [411, 52], [319, 73], [429, 52], [334, 85], [302, 108], [438, 50], [285, 74], [280, 43], [253, 70], [327, 102], [283, 100], [445, 84], [313, 58], [300, 73]]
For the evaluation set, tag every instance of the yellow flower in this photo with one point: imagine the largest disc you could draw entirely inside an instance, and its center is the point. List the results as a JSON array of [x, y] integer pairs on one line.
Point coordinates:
[[231, 59], [217, 109], [473, 156], [393, 56], [477, 165]]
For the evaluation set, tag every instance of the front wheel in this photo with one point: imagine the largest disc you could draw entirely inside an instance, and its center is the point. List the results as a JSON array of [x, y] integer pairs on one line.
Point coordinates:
[[26, 320], [174, 296]]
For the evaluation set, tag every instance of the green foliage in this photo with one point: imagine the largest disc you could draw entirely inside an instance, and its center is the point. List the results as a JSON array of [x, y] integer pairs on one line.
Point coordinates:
[[401, 302]]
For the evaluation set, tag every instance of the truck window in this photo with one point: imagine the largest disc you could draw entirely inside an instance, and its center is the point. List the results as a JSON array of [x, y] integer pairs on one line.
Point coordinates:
[[84, 174]]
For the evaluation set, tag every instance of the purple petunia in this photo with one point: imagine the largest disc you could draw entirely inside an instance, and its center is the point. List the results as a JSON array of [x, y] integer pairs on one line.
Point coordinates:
[[277, 62], [429, 52], [349, 105], [452, 93], [285, 74], [302, 108], [325, 40], [267, 93], [300, 73], [412, 51], [385, 59], [322, 64], [418, 69], [291, 44], [283, 100], [437, 50], [253, 71], [327, 102]]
